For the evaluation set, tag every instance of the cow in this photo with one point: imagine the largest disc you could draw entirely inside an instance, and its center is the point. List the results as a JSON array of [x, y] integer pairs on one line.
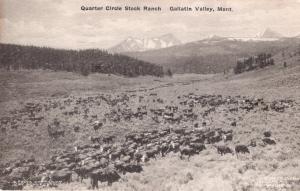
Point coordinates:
[[108, 139], [186, 150], [63, 176], [108, 175], [97, 125], [241, 149], [268, 141], [222, 149], [227, 137], [267, 133]]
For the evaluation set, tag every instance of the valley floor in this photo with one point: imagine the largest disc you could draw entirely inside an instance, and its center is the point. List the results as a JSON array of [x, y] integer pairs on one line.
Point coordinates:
[[267, 167]]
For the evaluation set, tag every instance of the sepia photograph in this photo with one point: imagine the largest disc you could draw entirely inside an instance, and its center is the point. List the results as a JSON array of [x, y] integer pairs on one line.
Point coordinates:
[[150, 95]]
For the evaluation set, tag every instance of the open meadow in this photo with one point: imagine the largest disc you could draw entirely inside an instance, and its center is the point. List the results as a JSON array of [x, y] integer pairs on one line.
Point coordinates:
[[186, 132]]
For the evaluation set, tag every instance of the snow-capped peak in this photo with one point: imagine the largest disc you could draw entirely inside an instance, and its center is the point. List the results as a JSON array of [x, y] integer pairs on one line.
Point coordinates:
[[136, 44], [271, 34]]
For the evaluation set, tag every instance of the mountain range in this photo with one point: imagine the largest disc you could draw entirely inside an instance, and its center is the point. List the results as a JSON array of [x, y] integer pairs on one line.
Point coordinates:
[[143, 44], [132, 44], [209, 55]]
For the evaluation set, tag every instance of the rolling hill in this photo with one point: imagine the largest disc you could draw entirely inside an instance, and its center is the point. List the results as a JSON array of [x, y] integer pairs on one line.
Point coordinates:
[[211, 55]]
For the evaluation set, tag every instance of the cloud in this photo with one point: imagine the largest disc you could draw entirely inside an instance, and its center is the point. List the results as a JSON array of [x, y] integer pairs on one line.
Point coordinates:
[[61, 23]]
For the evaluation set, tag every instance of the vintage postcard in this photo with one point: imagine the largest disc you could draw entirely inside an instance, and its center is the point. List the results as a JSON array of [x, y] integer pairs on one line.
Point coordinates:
[[150, 95]]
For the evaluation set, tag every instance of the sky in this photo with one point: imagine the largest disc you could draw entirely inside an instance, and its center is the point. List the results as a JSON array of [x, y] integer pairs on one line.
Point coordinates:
[[62, 24]]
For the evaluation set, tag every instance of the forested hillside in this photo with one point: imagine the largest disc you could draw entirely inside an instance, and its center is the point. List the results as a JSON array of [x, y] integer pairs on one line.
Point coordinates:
[[14, 57], [253, 62]]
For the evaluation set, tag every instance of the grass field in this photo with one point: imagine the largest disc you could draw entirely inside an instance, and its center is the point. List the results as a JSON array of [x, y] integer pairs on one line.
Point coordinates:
[[265, 168]]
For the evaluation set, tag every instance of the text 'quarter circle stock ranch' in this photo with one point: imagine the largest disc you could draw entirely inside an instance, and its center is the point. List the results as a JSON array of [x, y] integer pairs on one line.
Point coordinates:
[[120, 8]]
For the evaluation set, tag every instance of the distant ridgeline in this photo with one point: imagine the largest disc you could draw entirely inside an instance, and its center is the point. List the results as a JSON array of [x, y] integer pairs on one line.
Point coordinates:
[[14, 57], [251, 63]]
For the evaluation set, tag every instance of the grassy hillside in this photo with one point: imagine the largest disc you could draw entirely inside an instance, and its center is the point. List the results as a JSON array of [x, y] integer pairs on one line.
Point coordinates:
[[15, 57]]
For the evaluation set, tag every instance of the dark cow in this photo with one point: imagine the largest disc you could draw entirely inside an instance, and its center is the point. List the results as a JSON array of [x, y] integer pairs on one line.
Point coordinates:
[[164, 148], [56, 133], [76, 129], [132, 168], [267, 133], [197, 147], [97, 125], [63, 176], [95, 139], [186, 150], [108, 139], [222, 149], [241, 149], [214, 139], [151, 153], [268, 141], [81, 173], [233, 124], [115, 154]]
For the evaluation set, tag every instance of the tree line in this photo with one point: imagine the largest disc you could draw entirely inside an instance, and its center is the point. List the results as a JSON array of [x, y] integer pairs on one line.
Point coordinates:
[[253, 62], [15, 57]]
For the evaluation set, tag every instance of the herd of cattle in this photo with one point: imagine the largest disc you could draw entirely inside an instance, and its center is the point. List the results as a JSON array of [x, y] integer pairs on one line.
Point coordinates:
[[120, 108], [106, 158]]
